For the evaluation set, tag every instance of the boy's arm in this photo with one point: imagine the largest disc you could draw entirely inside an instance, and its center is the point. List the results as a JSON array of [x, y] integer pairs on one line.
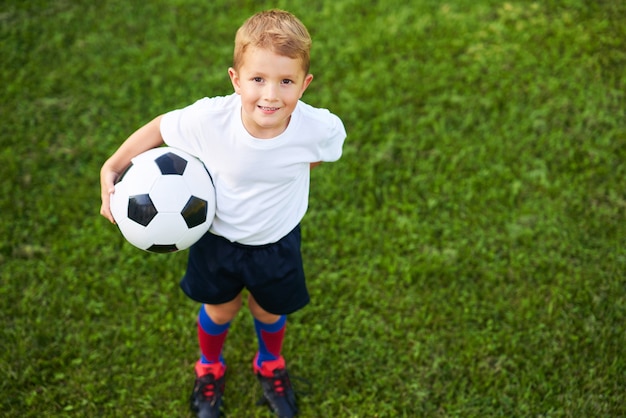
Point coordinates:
[[145, 138], [313, 165]]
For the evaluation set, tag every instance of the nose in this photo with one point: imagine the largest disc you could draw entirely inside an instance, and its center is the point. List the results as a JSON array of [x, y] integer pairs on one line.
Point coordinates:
[[271, 92]]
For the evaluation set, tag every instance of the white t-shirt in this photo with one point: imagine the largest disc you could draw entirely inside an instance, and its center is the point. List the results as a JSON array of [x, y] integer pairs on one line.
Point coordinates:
[[262, 185]]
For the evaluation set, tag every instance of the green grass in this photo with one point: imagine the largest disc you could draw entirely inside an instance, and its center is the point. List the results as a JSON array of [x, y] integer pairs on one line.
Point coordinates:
[[465, 257]]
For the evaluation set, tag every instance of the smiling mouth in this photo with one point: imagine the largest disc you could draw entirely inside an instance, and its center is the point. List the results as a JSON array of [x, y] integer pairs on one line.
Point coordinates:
[[269, 109]]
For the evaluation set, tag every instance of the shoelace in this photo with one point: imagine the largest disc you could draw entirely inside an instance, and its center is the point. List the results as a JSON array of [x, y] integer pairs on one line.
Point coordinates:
[[207, 389], [281, 382], [284, 377]]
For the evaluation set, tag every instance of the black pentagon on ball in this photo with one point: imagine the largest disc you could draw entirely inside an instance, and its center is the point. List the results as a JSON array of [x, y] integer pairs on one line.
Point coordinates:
[[160, 248], [171, 163], [141, 209], [195, 211]]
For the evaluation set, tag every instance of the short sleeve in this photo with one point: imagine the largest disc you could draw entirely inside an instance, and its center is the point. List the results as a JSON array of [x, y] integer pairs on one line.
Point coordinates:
[[331, 148]]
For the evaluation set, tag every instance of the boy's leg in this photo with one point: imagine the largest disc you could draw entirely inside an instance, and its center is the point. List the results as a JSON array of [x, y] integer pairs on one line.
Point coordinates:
[[270, 338], [211, 337], [213, 324], [269, 364], [270, 331]]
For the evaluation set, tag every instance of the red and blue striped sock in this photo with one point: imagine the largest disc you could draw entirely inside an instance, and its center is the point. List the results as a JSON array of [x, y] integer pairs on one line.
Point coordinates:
[[211, 337], [270, 337]]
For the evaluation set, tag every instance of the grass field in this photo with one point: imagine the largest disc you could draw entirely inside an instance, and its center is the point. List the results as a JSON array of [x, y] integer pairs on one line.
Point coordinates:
[[466, 257]]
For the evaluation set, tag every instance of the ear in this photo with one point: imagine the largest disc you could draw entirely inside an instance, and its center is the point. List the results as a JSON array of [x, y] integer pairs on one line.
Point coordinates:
[[234, 79], [305, 83]]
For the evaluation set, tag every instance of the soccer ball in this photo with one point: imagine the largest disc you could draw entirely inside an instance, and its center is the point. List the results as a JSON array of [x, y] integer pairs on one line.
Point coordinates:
[[164, 201]]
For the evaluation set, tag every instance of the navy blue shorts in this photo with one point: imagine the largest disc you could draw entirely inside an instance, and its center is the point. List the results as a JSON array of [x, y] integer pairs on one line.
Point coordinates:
[[218, 270]]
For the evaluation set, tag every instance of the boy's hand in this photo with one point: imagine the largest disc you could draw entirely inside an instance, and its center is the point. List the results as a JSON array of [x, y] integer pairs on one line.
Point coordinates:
[[107, 185], [143, 139]]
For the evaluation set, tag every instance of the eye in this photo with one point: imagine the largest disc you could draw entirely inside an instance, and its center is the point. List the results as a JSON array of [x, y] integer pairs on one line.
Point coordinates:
[[257, 79], [287, 81]]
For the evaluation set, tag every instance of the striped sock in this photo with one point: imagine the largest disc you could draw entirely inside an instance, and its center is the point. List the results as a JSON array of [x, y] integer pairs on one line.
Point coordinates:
[[270, 337], [211, 337]]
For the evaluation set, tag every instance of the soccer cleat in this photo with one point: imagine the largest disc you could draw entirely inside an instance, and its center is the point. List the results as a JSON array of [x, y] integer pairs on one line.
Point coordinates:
[[277, 390], [206, 398]]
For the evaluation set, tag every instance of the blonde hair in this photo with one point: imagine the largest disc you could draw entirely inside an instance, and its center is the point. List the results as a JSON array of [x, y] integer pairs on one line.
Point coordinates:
[[276, 30]]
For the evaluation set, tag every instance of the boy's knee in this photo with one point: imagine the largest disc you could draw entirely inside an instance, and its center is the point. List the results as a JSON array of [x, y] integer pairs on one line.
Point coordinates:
[[225, 312], [259, 313]]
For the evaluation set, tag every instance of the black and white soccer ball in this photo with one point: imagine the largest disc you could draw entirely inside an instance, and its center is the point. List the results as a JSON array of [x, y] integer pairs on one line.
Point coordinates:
[[164, 201]]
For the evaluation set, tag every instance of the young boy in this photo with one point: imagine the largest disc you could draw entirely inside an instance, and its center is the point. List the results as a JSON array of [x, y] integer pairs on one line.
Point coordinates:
[[259, 145]]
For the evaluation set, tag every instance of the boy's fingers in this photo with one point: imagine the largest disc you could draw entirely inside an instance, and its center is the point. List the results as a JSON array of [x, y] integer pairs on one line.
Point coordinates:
[[105, 208], [107, 214]]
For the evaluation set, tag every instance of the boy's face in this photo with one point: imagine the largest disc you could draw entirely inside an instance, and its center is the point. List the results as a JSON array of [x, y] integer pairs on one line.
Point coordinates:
[[270, 86]]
